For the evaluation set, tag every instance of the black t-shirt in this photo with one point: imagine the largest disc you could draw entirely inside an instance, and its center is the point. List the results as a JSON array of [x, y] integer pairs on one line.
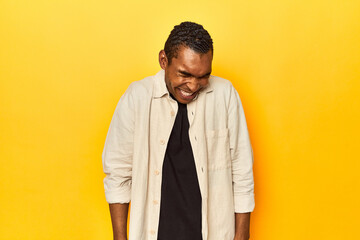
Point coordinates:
[[180, 205]]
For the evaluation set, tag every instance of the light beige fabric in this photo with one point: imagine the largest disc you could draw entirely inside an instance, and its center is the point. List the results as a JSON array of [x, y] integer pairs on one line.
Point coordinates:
[[136, 143]]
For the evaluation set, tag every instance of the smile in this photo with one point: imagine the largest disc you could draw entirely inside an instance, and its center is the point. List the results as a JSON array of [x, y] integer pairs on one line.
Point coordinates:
[[187, 95]]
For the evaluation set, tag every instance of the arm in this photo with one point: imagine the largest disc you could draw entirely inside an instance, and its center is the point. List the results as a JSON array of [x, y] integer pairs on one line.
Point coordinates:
[[242, 162], [242, 226], [117, 164], [119, 214]]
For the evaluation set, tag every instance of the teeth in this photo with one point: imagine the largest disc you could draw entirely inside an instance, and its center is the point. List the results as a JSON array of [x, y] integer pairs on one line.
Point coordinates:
[[185, 93]]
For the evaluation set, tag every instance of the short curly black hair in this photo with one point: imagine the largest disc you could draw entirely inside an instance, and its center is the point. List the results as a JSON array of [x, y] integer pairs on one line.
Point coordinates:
[[188, 34]]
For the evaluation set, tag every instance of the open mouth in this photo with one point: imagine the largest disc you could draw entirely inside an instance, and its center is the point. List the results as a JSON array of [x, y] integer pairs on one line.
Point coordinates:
[[187, 95]]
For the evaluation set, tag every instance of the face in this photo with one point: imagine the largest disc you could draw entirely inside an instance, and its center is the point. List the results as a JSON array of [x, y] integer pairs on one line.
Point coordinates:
[[187, 74]]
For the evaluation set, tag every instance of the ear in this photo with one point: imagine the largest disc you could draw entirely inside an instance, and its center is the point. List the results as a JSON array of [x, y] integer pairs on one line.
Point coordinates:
[[163, 61]]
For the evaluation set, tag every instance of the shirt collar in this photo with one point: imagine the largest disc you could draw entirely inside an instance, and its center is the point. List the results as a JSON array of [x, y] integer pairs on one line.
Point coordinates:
[[161, 89]]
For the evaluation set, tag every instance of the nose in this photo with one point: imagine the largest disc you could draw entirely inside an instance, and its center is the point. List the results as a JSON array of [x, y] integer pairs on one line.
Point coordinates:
[[193, 85]]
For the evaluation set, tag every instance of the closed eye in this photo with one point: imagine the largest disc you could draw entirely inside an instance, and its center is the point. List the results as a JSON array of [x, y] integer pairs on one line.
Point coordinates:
[[206, 75], [185, 74]]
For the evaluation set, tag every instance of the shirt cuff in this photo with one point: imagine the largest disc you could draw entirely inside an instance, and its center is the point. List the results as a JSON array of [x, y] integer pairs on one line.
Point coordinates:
[[121, 196], [244, 203]]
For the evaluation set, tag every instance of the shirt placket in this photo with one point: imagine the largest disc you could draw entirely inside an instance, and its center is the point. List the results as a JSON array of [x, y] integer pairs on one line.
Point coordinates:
[[163, 117], [196, 135]]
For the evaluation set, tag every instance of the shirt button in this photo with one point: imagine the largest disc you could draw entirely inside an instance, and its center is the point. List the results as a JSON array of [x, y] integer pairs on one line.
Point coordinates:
[[162, 142], [172, 113], [155, 202], [157, 172], [152, 232], [195, 138]]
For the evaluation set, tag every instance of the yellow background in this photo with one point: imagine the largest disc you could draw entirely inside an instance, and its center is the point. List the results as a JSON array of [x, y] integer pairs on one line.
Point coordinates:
[[65, 64]]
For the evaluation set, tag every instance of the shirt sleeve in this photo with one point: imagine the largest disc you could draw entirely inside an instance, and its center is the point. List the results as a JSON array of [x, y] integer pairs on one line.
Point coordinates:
[[241, 156], [117, 155]]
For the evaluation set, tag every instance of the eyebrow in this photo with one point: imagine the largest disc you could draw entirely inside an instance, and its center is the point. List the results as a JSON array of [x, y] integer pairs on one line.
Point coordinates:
[[190, 75]]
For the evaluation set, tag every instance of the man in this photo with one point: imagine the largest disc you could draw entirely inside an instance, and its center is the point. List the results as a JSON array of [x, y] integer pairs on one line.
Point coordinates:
[[178, 148]]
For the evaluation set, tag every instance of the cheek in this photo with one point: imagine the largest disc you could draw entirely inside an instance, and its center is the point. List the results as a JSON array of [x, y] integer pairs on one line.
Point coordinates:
[[176, 82], [204, 83]]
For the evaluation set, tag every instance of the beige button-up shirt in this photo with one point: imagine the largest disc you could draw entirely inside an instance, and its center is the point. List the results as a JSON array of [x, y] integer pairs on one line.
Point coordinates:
[[135, 148]]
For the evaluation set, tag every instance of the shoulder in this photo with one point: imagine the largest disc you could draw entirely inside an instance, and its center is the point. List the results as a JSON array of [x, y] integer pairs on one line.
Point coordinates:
[[221, 86], [223, 92], [141, 92], [138, 93], [141, 88]]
